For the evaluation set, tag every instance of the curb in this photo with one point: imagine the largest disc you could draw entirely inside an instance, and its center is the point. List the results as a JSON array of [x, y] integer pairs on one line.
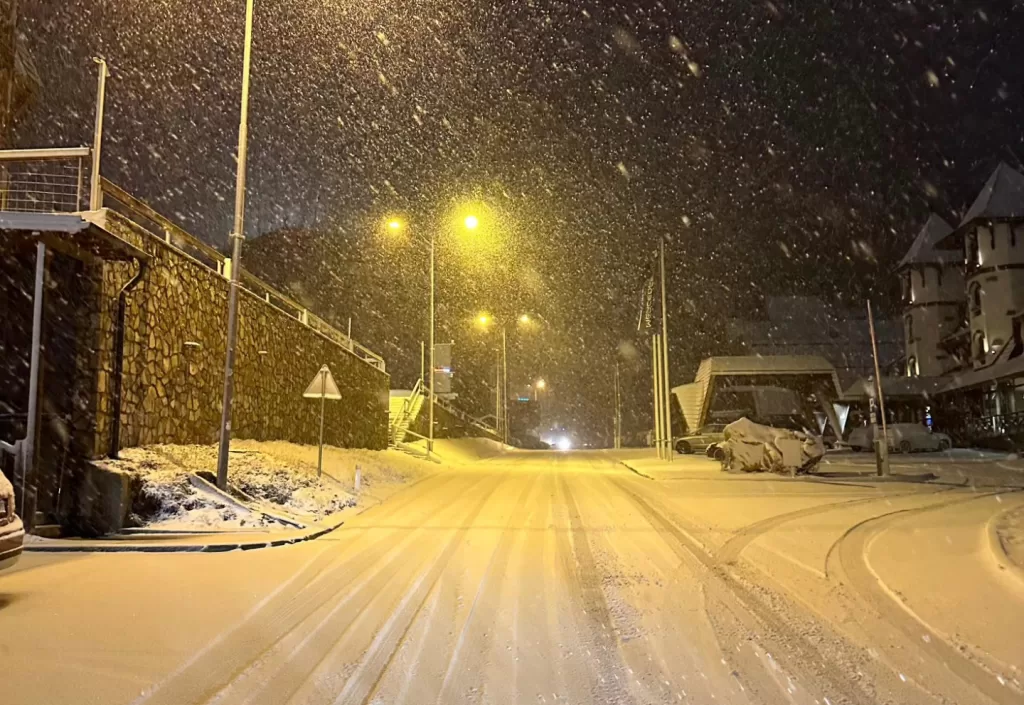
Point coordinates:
[[123, 547], [995, 545]]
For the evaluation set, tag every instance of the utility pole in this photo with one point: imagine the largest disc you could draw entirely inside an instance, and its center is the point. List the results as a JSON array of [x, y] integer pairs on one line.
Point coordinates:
[[667, 395], [237, 234], [656, 374], [497, 392], [881, 447], [617, 443], [433, 373], [504, 382]]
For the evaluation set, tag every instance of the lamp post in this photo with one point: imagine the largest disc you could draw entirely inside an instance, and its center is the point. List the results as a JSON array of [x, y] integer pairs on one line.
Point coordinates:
[[396, 226], [236, 257], [523, 320]]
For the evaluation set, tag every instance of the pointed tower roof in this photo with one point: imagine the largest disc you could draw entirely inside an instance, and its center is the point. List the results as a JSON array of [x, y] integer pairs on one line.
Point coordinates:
[[924, 250], [1001, 198]]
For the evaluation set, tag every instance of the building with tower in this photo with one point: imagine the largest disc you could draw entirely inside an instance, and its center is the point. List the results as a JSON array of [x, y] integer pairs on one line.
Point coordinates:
[[934, 300]]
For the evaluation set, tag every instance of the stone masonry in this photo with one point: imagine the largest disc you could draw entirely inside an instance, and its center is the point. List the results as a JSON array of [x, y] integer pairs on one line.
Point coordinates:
[[174, 362]]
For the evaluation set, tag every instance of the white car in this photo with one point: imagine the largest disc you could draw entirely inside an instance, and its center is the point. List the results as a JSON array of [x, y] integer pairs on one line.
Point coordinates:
[[12, 532], [903, 437]]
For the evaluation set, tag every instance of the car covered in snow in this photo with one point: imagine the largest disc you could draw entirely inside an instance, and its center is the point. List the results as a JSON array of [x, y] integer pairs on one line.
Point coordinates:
[[704, 441], [12, 532], [903, 437]]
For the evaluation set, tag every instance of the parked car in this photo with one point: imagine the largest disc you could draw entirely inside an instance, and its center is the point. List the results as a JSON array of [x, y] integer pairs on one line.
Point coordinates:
[[709, 436], [903, 437], [12, 532]]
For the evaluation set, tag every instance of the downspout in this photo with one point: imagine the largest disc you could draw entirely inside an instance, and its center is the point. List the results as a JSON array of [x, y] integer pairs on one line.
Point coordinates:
[[118, 380]]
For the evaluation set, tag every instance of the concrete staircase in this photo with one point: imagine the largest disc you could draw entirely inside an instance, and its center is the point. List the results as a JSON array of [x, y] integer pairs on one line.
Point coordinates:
[[403, 408]]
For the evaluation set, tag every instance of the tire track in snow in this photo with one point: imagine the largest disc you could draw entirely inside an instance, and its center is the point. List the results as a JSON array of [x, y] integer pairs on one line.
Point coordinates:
[[390, 636], [235, 651], [489, 590], [850, 566], [583, 579], [799, 655]]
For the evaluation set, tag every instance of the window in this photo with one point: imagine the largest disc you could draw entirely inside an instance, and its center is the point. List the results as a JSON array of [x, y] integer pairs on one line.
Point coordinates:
[[974, 295], [980, 346], [912, 369]]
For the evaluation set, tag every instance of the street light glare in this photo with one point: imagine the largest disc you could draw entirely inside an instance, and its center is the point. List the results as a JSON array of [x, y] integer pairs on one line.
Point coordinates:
[[395, 224], [525, 318], [471, 222], [483, 319], [541, 384]]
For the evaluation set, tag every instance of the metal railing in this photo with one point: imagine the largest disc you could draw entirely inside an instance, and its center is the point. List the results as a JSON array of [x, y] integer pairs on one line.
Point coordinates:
[[44, 180], [171, 235]]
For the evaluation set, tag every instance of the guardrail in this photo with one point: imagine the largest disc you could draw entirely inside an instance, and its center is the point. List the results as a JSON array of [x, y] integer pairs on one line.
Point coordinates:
[[44, 180], [173, 236]]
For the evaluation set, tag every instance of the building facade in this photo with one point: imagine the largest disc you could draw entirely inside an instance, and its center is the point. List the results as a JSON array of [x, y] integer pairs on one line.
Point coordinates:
[[993, 237], [934, 300]]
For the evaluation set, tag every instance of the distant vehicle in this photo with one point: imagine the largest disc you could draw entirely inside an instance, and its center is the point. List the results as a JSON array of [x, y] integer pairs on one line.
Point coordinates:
[[903, 437], [12, 532], [709, 436]]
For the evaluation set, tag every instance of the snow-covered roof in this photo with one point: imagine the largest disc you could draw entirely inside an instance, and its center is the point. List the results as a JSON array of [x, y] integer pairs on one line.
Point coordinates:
[[924, 250], [765, 364], [1002, 196]]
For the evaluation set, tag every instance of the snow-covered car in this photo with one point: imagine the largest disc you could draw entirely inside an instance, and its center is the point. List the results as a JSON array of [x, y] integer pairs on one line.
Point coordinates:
[[12, 532], [903, 437], [753, 447], [710, 435]]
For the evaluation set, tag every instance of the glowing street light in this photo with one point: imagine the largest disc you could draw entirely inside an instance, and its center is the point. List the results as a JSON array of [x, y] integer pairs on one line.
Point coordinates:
[[525, 318], [483, 319], [541, 384], [471, 222], [395, 224]]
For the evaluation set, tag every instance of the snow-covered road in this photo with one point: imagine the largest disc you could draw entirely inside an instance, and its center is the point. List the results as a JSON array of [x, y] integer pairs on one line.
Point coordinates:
[[544, 578]]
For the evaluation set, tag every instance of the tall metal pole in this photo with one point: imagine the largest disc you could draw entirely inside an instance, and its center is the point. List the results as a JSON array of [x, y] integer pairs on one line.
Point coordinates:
[[31, 450], [504, 383], [433, 374], [619, 413], [237, 235], [882, 451], [497, 392], [423, 363], [323, 397], [95, 192], [656, 368], [665, 373]]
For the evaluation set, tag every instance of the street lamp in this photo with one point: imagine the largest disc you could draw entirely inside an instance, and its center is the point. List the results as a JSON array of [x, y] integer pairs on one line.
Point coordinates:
[[501, 389], [237, 235], [471, 222], [396, 225]]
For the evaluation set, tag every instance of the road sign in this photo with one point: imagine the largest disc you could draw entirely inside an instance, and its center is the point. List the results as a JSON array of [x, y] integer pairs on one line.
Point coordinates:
[[323, 385]]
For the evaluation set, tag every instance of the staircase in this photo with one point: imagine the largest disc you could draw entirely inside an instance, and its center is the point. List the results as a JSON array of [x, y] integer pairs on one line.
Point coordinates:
[[403, 411]]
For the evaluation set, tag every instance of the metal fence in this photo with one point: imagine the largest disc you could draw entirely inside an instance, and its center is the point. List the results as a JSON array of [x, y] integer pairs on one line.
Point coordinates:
[[44, 180], [159, 227]]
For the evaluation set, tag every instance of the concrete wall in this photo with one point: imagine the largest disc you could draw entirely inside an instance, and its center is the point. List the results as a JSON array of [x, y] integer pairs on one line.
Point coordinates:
[[174, 363]]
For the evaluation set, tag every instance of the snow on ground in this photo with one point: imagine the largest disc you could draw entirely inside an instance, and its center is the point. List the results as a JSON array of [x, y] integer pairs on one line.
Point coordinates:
[[280, 477], [1010, 531]]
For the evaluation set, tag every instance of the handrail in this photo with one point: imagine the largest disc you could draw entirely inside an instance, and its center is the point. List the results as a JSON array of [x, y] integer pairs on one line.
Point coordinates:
[[44, 154], [179, 239]]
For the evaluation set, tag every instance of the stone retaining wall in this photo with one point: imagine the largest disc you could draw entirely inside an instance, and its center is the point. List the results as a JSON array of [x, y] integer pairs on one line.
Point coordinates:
[[174, 362]]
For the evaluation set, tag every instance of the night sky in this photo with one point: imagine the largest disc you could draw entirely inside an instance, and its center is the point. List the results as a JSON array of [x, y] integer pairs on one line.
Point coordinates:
[[782, 148]]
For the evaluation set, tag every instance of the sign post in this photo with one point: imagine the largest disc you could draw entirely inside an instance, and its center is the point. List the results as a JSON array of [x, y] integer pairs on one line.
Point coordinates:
[[322, 387]]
